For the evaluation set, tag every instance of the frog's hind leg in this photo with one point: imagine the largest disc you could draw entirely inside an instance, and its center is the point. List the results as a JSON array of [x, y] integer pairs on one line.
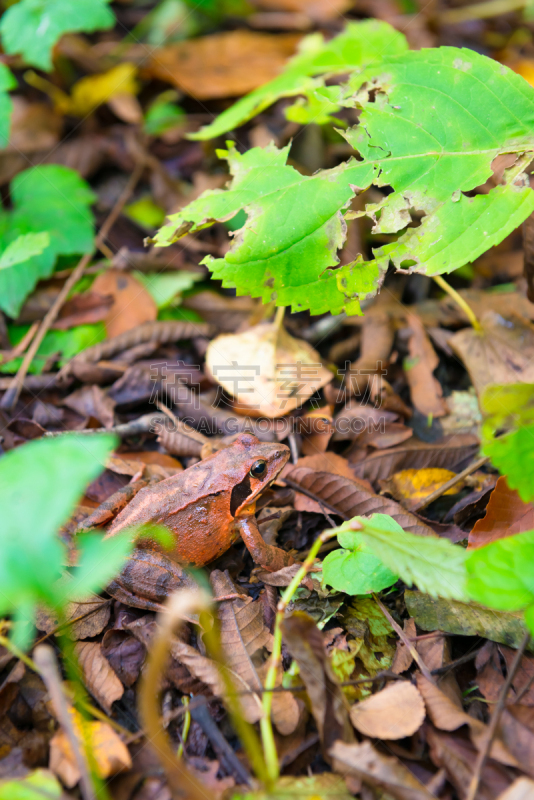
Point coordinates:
[[267, 556]]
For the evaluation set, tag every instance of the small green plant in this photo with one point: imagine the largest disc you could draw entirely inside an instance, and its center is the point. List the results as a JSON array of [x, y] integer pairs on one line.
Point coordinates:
[[31, 28], [52, 203], [431, 123], [36, 500]]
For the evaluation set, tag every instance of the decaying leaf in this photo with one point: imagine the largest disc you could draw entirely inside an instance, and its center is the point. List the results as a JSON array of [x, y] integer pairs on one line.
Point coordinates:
[[268, 372], [451, 452], [465, 619], [506, 514], [109, 752], [501, 353], [223, 65], [352, 499], [425, 389], [99, 676], [393, 713], [378, 771], [132, 303], [85, 619], [410, 486], [328, 704]]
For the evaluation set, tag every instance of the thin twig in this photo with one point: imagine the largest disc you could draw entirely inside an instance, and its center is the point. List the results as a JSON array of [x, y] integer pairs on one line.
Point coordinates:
[[491, 8], [495, 719], [405, 640], [45, 660], [449, 484], [12, 394], [17, 351]]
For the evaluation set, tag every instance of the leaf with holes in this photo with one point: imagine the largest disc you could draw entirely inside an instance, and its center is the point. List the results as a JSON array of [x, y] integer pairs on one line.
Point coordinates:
[[431, 124]]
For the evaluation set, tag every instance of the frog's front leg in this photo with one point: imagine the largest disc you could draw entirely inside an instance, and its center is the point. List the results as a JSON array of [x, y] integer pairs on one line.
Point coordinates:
[[268, 556], [147, 580]]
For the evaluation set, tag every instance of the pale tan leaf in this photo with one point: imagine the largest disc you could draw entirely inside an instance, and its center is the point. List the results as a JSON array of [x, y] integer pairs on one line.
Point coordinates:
[[86, 619], [403, 658], [291, 370], [378, 771], [521, 789], [100, 678], [393, 713]]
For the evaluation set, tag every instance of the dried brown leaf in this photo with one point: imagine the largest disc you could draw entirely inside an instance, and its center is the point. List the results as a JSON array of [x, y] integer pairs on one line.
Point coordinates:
[[501, 353], [86, 619], [92, 401], [182, 440], [393, 713], [99, 677], [506, 514], [352, 500], [224, 64], [450, 452], [328, 704], [132, 303], [378, 771], [425, 389], [403, 658]]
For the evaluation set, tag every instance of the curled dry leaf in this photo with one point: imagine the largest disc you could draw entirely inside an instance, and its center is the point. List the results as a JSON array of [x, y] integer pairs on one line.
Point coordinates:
[[450, 452], [132, 303], [99, 677], [393, 713], [109, 752], [425, 389], [506, 514], [378, 771], [329, 707], [351, 499], [223, 65], [243, 633], [501, 353], [267, 371], [182, 440], [448, 716], [354, 419]]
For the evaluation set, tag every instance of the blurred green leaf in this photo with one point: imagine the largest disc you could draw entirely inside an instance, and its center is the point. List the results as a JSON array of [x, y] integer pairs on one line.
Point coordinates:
[[7, 82], [23, 248], [166, 287], [501, 574], [99, 561], [38, 785], [66, 343], [145, 212], [163, 114], [40, 483], [52, 199], [32, 27]]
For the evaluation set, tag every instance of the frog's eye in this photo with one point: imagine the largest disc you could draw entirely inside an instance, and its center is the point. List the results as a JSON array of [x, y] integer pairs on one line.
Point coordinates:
[[258, 469]]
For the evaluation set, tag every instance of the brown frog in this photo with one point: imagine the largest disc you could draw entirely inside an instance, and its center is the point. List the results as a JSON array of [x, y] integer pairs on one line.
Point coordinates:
[[206, 508]]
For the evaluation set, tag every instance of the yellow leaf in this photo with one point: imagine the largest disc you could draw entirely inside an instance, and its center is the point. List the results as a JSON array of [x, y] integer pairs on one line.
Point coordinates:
[[95, 90], [417, 484]]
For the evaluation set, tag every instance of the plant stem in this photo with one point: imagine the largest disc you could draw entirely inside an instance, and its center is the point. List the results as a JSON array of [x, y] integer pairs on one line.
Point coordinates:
[[279, 316], [459, 300], [267, 736], [491, 8]]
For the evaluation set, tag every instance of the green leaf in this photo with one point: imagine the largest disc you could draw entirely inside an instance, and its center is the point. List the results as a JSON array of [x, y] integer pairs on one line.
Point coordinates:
[[432, 122], [35, 500], [7, 82], [165, 287], [281, 254], [99, 560], [38, 785], [359, 44], [66, 343], [32, 27], [355, 569], [435, 565], [501, 574], [52, 199], [23, 248]]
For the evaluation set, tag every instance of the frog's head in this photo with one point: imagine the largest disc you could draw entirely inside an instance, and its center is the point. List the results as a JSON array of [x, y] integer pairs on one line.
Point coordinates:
[[259, 464]]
